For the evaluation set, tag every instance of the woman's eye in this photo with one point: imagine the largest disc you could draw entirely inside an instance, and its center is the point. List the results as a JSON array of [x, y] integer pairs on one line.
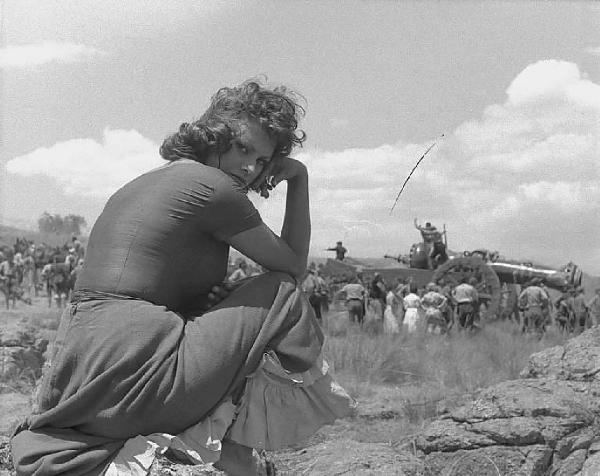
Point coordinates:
[[243, 148]]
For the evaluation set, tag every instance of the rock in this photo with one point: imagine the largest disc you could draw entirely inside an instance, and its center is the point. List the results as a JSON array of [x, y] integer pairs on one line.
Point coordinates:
[[6, 466], [494, 460], [21, 353], [578, 359], [546, 422], [348, 457], [591, 467]]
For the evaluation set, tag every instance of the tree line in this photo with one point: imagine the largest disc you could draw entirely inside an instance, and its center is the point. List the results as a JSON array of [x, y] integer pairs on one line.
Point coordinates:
[[59, 225]]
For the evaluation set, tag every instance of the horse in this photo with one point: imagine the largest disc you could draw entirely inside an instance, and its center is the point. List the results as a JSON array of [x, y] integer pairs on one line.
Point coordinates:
[[59, 281]]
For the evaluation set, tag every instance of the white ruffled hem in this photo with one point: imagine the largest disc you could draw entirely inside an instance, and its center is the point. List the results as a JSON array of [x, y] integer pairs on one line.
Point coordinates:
[[201, 443], [277, 409]]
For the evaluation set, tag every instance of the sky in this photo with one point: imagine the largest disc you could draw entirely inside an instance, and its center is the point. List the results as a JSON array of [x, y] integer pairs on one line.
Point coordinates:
[[88, 91]]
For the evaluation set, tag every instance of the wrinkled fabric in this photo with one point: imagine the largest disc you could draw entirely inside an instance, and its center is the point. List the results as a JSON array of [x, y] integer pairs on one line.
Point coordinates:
[[280, 408], [161, 237], [277, 409], [126, 367], [200, 444]]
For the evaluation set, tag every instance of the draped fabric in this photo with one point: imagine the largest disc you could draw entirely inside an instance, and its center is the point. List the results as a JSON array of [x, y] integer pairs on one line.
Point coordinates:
[[123, 367]]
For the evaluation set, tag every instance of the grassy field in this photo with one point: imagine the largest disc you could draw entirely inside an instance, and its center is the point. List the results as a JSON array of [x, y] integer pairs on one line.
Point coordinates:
[[420, 376]]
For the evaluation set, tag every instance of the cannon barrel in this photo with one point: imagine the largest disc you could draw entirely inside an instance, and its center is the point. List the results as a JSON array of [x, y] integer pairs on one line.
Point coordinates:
[[521, 273]]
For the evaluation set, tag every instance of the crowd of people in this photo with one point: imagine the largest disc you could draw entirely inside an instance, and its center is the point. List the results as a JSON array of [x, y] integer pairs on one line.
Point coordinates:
[[28, 269], [571, 312], [402, 306]]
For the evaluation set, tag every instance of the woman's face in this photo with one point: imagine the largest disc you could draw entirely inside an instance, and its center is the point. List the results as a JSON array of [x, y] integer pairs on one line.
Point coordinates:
[[250, 152]]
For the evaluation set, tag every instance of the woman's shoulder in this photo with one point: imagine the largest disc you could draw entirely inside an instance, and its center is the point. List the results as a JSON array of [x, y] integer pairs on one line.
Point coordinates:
[[186, 170], [219, 181], [187, 175]]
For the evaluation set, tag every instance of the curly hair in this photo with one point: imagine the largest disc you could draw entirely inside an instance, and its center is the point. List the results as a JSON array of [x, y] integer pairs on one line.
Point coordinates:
[[275, 109]]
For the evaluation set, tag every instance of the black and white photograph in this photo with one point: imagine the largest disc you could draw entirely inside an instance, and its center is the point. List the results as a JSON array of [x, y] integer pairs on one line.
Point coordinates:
[[299, 237]]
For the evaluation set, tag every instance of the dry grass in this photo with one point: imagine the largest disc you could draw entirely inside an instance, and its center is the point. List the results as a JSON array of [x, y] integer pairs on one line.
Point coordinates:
[[429, 373]]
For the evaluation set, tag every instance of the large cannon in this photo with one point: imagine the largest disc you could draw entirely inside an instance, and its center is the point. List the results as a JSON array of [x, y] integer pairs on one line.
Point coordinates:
[[487, 269], [490, 271]]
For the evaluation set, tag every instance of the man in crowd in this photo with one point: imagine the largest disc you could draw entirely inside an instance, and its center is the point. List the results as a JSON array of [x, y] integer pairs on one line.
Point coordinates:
[[8, 279], [466, 299], [240, 273], [594, 308], [435, 303], [78, 247], [533, 304], [312, 288], [71, 258], [377, 292], [355, 297], [580, 311], [323, 291], [564, 312]]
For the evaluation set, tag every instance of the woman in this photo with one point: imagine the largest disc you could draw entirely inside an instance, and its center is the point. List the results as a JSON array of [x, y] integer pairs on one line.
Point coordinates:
[[413, 310], [138, 354], [390, 321]]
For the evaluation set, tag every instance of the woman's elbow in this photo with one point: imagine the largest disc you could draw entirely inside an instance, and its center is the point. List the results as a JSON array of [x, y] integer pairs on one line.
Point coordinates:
[[298, 269]]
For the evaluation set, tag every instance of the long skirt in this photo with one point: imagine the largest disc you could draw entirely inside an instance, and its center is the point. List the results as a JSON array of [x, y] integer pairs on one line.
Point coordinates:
[[413, 318], [390, 322], [123, 367]]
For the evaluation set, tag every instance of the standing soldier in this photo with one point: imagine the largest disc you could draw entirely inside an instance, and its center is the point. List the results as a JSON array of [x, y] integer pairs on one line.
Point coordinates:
[[79, 249], [312, 289], [355, 300], [434, 241], [29, 274], [564, 312], [594, 308], [580, 310], [8, 279], [323, 291], [340, 251], [377, 292], [533, 303], [466, 299]]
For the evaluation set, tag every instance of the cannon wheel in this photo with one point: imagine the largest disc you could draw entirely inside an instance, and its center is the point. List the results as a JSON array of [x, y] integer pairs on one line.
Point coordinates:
[[488, 285]]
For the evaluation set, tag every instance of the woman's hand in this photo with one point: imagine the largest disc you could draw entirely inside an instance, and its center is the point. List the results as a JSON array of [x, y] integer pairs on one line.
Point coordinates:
[[286, 168], [217, 293], [278, 170]]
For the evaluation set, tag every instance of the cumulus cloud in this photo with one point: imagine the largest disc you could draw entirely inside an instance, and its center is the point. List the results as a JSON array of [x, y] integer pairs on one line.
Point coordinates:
[[338, 122], [524, 178], [23, 56], [91, 168], [593, 51]]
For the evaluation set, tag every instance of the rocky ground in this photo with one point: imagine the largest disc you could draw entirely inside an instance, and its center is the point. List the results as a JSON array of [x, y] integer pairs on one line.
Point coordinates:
[[544, 423]]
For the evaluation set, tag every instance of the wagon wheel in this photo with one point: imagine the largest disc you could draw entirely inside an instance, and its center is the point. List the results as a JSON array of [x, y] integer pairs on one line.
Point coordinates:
[[488, 284]]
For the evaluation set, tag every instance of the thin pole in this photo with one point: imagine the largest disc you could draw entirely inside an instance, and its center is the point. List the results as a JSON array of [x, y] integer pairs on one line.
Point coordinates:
[[411, 172]]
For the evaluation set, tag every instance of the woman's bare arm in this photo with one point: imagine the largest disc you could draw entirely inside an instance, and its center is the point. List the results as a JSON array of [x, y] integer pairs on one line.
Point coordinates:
[[289, 252]]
